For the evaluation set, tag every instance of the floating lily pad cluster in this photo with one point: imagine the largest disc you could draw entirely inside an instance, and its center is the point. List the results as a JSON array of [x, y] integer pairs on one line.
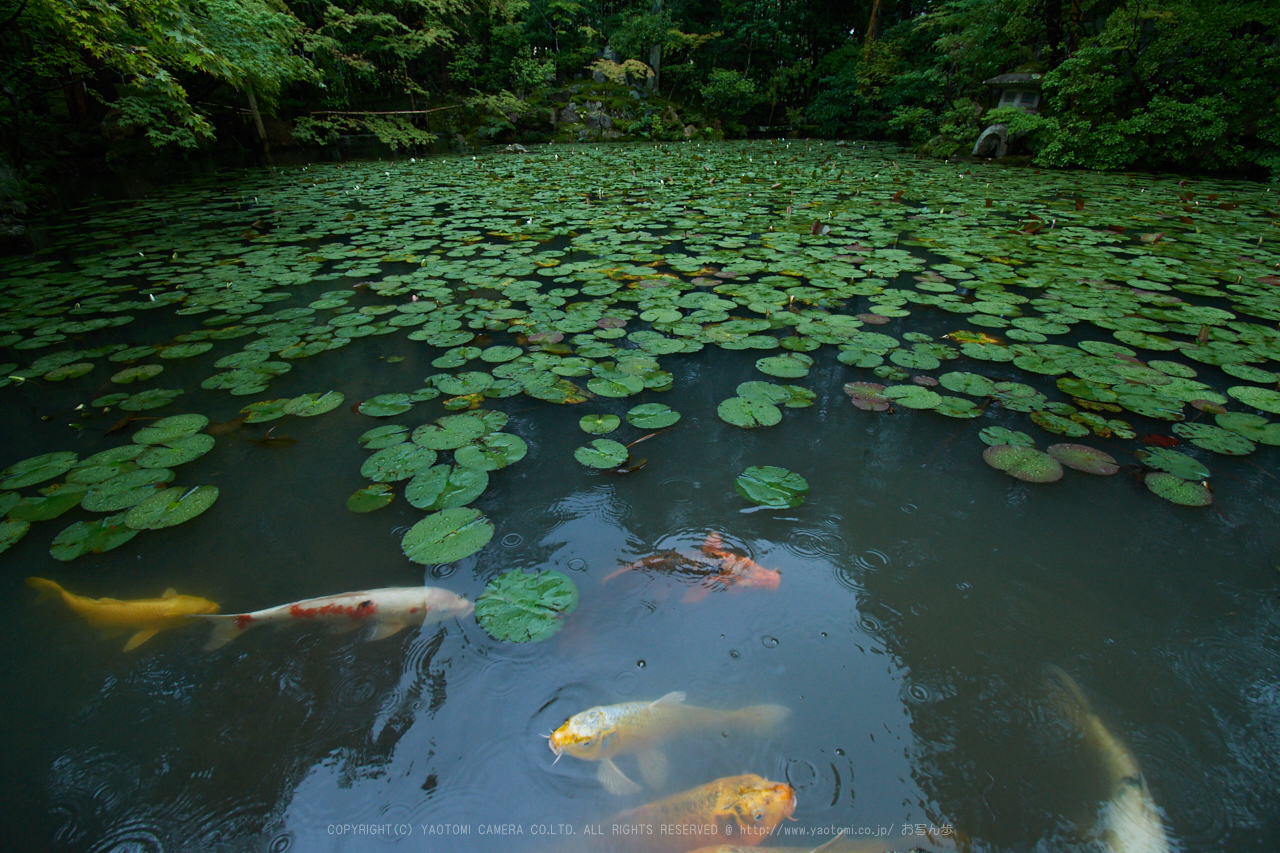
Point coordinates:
[[452, 530], [583, 273], [131, 482], [612, 455]]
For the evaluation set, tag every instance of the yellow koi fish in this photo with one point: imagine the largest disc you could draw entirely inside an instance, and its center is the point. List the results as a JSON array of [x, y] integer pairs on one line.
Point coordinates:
[[1130, 821], [147, 615], [743, 808], [600, 733]]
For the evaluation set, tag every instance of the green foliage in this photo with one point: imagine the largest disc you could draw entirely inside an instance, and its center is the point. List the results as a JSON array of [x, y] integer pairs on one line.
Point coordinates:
[[729, 93]]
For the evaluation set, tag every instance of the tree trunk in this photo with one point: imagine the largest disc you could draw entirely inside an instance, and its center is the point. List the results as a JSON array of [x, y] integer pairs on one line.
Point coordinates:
[[655, 54], [872, 24], [257, 118]]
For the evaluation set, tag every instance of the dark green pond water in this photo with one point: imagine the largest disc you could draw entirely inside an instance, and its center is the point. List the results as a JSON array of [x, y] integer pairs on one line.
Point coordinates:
[[926, 598]]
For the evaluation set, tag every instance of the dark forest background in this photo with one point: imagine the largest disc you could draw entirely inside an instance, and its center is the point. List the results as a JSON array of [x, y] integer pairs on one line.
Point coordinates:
[[1155, 84]]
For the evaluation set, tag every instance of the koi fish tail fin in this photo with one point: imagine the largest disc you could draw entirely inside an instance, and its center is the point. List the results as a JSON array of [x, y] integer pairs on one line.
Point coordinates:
[[1067, 696], [225, 629], [46, 588], [764, 720], [628, 567]]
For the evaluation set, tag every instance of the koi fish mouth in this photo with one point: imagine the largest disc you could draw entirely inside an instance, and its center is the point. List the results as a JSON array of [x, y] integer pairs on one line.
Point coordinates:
[[555, 747]]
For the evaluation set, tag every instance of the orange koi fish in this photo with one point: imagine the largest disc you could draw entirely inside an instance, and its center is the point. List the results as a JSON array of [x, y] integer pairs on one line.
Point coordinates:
[[147, 615], [386, 611], [718, 568], [744, 809]]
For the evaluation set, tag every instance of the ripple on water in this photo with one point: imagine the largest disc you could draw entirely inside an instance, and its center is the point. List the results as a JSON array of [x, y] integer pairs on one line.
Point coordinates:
[[820, 783], [825, 542]]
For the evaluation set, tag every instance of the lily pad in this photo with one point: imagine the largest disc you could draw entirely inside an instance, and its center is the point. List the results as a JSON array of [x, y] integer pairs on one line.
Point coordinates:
[[445, 486], [599, 424], [175, 452], [1215, 438], [167, 429], [652, 416], [170, 507], [370, 498], [153, 399], [749, 412], [56, 500], [492, 452], [449, 432], [385, 405], [138, 373], [790, 366], [310, 405], [37, 469], [602, 453], [397, 462], [384, 436], [1177, 490], [86, 537], [769, 485], [1265, 399], [1083, 458], [447, 535], [867, 396], [1023, 463], [1171, 461], [11, 531], [525, 608]]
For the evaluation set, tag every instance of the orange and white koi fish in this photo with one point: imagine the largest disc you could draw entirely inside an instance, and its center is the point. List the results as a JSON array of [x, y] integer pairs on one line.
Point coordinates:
[[839, 844], [744, 808], [387, 611], [147, 615], [600, 733], [716, 567]]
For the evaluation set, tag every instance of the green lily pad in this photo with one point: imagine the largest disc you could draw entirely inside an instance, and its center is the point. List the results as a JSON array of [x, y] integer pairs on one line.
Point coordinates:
[[397, 462], [769, 485], [264, 411], [749, 412], [602, 453], [913, 396], [459, 384], [56, 500], [445, 486], [185, 350], [153, 399], [447, 535], [1265, 399], [310, 405], [492, 452], [175, 452], [384, 436], [973, 384], [95, 537], [616, 384], [1251, 426], [370, 498], [11, 531], [1171, 461], [1082, 458], [1177, 490], [599, 424], [37, 469], [790, 366], [652, 416], [449, 432], [385, 405], [126, 490], [68, 371], [138, 373], [1023, 463], [1215, 438], [524, 608], [1059, 425], [170, 506], [170, 428]]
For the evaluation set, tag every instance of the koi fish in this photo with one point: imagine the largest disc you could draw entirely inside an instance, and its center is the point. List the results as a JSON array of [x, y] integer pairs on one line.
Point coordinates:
[[745, 808], [839, 844], [600, 733], [1129, 822], [147, 615], [717, 567], [388, 611]]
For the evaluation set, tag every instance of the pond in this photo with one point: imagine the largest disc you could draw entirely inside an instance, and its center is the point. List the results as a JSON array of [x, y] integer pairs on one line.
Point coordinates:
[[775, 425]]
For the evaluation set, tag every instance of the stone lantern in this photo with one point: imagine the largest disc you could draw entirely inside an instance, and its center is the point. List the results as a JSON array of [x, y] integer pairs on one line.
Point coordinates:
[[1020, 90]]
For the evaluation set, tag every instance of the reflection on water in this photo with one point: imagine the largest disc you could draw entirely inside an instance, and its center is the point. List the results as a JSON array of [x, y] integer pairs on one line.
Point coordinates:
[[922, 596]]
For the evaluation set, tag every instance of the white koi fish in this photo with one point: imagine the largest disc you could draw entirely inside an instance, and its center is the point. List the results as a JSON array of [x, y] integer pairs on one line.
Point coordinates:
[[387, 611], [1130, 821]]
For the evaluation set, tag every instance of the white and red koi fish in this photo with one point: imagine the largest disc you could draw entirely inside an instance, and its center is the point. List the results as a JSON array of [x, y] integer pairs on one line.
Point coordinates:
[[387, 611], [716, 567]]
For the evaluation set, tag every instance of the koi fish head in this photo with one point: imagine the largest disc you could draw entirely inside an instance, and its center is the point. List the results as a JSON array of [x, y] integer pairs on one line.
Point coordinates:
[[191, 605], [588, 735], [757, 805]]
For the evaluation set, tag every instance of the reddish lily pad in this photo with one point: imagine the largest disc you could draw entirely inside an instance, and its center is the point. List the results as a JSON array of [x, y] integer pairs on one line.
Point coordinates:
[[1083, 458]]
